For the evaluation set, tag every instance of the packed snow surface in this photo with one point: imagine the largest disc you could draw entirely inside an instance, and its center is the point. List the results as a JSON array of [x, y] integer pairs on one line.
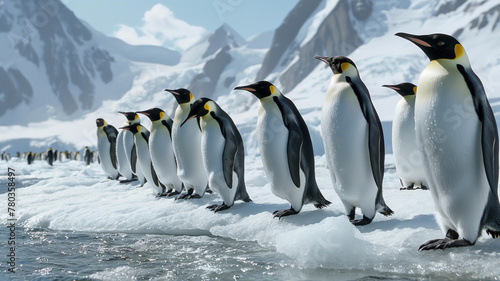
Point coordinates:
[[72, 196]]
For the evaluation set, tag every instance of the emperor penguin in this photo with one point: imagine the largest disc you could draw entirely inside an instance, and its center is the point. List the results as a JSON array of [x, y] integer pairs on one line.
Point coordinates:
[[129, 146], [186, 142], [141, 140], [161, 152], [87, 156], [50, 156], [222, 152], [354, 142], [124, 165], [407, 155], [286, 149], [457, 133], [106, 145]]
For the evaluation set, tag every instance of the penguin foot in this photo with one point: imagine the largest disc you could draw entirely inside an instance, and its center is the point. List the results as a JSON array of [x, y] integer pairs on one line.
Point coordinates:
[[216, 208], [283, 213], [172, 193], [127, 181], [444, 243], [494, 234], [161, 195], [410, 187], [423, 187], [364, 221], [183, 196]]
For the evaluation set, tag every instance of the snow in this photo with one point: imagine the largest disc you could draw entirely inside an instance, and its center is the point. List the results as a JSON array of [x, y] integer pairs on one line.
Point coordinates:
[[74, 197]]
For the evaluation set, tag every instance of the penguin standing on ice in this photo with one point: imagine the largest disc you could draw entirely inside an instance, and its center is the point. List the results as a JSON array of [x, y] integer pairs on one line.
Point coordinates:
[[50, 156], [222, 151], [457, 133], [141, 140], [407, 155], [286, 149], [354, 142], [161, 152], [124, 165], [106, 145], [186, 142], [129, 146], [87, 156]]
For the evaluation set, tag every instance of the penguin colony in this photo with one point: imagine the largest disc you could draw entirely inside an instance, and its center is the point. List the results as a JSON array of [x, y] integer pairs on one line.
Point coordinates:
[[201, 149], [53, 155]]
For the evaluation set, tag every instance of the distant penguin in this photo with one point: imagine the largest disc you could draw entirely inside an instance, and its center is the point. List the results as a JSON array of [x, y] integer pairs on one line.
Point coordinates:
[[353, 141], [161, 152], [141, 140], [459, 147], [186, 142], [106, 145], [222, 152], [407, 155], [87, 156], [286, 149], [29, 158], [77, 156], [56, 155], [129, 146], [50, 156], [124, 165]]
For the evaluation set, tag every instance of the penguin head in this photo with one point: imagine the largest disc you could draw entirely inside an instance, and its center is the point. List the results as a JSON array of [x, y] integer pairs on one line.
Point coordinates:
[[202, 107], [340, 64], [437, 46], [181, 95], [131, 116], [100, 122], [134, 128], [260, 89], [154, 114], [404, 89]]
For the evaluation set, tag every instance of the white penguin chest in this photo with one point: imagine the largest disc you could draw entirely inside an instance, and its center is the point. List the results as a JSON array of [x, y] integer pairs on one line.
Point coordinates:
[[212, 147]]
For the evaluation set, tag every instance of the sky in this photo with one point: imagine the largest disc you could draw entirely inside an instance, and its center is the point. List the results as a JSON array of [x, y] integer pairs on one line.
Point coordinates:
[[145, 21]]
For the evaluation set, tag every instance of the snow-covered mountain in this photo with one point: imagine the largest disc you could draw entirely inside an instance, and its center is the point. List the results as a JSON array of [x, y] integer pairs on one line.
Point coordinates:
[[53, 65], [363, 30]]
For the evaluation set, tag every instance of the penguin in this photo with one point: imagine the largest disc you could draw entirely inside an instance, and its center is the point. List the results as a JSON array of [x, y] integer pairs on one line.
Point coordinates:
[[29, 158], [186, 142], [50, 156], [458, 136], [77, 156], [87, 156], [286, 149], [141, 140], [129, 146], [124, 166], [353, 141], [106, 145], [161, 152], [222, 152], [407, 155]]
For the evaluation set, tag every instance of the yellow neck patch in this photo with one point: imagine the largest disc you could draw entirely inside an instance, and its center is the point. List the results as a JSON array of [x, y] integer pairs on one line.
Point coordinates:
[[190, 96], [344, 66], [414, 90], [161, 115], [206, 106], [271, 89], [138, 128], [459, 51]]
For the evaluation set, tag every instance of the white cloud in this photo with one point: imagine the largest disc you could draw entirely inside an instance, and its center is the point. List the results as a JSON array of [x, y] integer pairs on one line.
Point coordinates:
[[161, 28]]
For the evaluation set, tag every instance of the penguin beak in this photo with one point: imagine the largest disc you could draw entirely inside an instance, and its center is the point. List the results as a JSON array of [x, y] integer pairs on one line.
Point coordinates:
[[245, 88], [172, 92], [145, 112], [323, 59], [391, 87], [188, 118], [418, 40]]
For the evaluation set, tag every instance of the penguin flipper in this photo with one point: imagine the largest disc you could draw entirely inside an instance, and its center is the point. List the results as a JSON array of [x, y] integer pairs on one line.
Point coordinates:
[[228, 158], [295, 139], [112, 134], [375, 134], [489, 131], [155, 177], [133, 159]]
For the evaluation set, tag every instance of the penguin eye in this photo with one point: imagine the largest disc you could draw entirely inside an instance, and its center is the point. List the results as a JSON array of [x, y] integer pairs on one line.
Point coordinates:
[[440, 43]]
